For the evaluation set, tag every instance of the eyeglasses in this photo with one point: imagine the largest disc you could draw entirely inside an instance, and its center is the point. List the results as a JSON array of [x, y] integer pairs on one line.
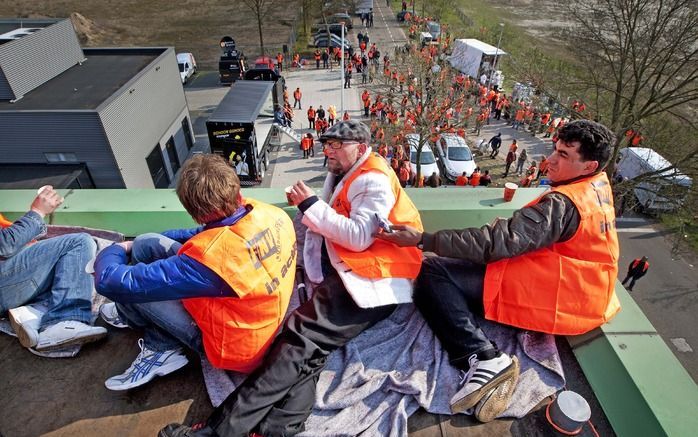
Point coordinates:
[[337, 144]]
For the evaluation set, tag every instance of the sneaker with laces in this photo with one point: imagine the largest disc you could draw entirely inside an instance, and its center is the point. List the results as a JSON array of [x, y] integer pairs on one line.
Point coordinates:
[[147, 365], [69, 332], [493, 404], [25, 321], [482, 377], [110, 315], [177, 430]]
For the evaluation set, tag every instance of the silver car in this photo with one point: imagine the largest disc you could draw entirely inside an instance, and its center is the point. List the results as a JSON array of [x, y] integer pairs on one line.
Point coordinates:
[[455, 156]]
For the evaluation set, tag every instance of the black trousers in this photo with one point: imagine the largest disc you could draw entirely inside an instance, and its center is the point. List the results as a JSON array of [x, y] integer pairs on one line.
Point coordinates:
[[278, 397]]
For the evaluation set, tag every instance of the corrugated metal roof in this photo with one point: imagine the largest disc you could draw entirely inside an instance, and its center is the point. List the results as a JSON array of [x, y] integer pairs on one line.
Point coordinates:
[[243, 102]]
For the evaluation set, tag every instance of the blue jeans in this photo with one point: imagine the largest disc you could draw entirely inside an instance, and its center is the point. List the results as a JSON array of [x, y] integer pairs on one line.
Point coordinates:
[[166, 324], [52, 270], [449, 294]]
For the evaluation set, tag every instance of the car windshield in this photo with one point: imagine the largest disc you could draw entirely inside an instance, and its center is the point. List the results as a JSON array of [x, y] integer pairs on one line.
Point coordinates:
[[459, 154], [427, 157], [181, 68], [433, 27]]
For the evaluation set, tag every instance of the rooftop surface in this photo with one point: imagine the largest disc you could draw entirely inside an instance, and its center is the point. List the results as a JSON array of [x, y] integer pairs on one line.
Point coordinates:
[[243, 102], [85, 86]]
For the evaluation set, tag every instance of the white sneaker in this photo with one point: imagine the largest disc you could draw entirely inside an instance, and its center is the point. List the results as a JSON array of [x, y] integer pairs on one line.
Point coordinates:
[[110, 315], [25, 320], [493, 404], [147, 365], [68, 332], [482, 377]]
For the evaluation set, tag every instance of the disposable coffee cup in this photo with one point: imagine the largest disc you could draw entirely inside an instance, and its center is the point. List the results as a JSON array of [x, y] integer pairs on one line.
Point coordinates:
[[41, 190], [288, 195], [509, 190]]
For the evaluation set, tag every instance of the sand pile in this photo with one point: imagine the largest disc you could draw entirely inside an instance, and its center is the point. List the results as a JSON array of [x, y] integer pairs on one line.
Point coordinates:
[[87, 30]]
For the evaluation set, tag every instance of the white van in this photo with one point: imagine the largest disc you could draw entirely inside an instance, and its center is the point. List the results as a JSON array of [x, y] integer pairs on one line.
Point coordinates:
[[637, 161], [427, 158], [187, 66]]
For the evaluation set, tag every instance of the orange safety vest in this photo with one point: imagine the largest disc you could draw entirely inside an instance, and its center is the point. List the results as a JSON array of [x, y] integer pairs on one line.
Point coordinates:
[[311, 114], [382, 259], [461, 181], [4, 223], [566, 288], [306, 143], [475, 179], [635, 263], [257, 257]]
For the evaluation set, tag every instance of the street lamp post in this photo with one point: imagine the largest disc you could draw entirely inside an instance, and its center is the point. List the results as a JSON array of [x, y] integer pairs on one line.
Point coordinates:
[[341, 43], [496, 53]]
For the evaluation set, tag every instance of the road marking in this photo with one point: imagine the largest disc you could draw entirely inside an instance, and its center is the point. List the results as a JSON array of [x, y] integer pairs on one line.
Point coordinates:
[[637, 230], [681, 345], [631, 220]]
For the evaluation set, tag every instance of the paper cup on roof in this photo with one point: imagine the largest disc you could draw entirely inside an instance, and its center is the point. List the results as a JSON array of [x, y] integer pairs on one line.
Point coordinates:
[[288, 195], [509, 190]]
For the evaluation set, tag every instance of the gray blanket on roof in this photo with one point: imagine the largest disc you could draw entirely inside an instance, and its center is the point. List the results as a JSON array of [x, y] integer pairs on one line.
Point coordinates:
[[373, 384]]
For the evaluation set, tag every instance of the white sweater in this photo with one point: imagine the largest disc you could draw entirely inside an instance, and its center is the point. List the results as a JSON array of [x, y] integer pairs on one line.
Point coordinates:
[[369, 194]]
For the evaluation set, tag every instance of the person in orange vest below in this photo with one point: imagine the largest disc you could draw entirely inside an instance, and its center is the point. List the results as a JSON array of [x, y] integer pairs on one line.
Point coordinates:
[[220, 289], [297, 98], [360, 281], [317, 56], [475, 178], [306, 145], [311, 117], [462, 180], [551, 268], [280, 62], [51, 270], [636, 270]]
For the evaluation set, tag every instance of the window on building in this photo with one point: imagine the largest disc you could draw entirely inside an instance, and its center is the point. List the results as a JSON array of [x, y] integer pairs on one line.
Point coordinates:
[[156, 165], [60, 157], [171, 152], [187, 133]]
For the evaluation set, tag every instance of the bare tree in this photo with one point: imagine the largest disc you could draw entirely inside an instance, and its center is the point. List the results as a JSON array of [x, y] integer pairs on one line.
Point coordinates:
[[260, 8], [639, 61]]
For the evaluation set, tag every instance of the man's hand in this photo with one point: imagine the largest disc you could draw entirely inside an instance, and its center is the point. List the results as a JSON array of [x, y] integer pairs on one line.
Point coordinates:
[[402, 235], [126, 245], [47, 201], [299, 192]]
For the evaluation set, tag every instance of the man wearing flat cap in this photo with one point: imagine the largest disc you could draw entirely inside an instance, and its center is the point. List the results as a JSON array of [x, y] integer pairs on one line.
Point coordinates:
[[359, 280]]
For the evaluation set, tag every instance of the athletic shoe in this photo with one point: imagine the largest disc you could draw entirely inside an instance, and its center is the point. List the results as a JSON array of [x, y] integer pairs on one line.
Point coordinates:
[[482, 377], [147, 365], [177, 430], [493, 404], [69, 332], [25, 320], [110, 315]]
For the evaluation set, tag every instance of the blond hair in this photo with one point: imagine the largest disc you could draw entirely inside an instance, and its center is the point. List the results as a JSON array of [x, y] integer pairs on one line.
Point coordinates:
[[208, 188]]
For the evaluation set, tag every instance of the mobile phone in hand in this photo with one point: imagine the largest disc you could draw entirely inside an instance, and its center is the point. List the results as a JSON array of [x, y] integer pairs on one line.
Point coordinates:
[[384, 224]]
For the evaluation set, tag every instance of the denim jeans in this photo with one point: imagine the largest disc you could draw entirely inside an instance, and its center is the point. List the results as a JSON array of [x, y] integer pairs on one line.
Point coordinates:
[[449, 293], [52, 270], [167, 324]]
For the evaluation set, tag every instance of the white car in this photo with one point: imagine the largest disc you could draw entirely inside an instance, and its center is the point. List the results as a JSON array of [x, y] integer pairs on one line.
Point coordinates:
[[187, 66], [427, 158], [455, 155]]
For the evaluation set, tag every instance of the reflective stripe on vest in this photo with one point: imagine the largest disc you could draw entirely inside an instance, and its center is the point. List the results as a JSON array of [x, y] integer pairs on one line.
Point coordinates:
[[4, 223], [569, 287], [257, 257], [382, 259]]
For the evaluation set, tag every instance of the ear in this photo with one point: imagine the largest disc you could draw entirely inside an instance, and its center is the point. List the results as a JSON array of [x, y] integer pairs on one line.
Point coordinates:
[[362, 148], [238, 198], [591, 166]]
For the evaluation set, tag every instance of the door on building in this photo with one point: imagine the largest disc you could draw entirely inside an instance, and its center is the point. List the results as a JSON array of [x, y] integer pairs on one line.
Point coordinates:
[[187, 133], [156, 165], [171, 152]]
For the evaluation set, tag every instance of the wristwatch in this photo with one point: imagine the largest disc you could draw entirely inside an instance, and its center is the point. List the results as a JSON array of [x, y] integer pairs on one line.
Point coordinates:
[[420, 245]]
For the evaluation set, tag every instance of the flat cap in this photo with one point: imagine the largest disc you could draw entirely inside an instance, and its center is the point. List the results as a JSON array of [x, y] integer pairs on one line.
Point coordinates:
[[350, 130]]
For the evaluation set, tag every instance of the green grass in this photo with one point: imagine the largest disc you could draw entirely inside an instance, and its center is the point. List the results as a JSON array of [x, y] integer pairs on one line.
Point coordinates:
[[685, 229]]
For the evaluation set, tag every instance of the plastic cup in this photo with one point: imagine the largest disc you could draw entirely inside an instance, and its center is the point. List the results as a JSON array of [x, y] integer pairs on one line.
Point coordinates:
[[288, 195], [41, 190], [509, 190]]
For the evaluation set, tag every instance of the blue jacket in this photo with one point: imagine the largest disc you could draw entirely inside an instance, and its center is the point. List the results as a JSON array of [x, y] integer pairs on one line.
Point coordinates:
[[173, 278]]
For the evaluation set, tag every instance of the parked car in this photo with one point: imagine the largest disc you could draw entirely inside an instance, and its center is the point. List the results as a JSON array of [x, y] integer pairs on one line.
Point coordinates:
[[265, 62], [323, 28], [434, 28], [427, 158], [455, 155], [341, 17], [321, 40], [187, 66]]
